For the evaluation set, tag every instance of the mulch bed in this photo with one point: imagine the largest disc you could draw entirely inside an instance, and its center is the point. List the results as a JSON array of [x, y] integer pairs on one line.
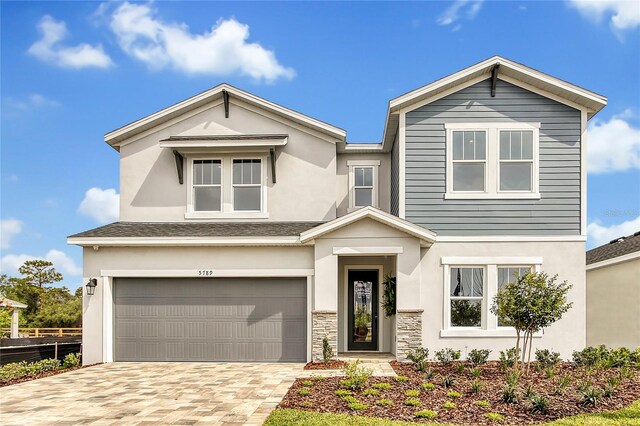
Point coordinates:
[[323, 399], [334, 364], [38, 376]]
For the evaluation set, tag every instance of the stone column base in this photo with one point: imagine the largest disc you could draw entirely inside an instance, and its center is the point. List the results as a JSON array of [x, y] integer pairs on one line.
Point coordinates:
[[408, 332], [324, 323]]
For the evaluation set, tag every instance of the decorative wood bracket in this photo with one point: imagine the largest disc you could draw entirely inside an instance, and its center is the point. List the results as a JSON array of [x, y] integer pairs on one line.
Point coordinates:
[[272, 156], [225, 97], [494, 79], [179, 166]]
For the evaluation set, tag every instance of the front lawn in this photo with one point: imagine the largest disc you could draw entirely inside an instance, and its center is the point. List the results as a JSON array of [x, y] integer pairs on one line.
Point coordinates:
[[460, 392]]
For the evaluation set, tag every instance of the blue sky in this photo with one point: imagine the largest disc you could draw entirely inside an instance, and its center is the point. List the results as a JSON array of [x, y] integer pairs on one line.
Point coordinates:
[[71, 72]]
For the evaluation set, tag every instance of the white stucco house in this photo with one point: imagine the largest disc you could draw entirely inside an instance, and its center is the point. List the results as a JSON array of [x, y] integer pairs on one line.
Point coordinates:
[[249, 231]]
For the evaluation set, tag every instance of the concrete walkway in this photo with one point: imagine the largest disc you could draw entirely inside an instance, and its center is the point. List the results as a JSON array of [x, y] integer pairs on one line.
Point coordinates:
[[151, 394]]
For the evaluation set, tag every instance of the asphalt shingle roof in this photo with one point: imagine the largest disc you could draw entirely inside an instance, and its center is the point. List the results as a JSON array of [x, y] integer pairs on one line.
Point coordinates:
[[200, 229], [616, 248]]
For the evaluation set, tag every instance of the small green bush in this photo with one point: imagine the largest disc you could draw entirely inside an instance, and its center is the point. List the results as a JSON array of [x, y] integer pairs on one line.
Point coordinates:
[[476, 372], [590, 396], [494, 417], [16, 370], [478, 356], [401, 378], [608, 391], [449, 405], [349, 399], [550, 371], [545, 358], [317, 378], [591, 356], [561, 385], [71, 361], [384, 402], [460, 368], [528, 392], [512, 377], [482, 403], [584, 385], [342, 392], [307, 383], [428, 386], [510, 394], [412, 402], [419, 357], [381, 386], [304, 392], [357, 375], [476, 386], [327, 351], [429, 373], [371, 392], [426, 414], [412, 393], [448, 380], [508, 358], [357, 406], [447, 355], [539, 404], [454, 394]]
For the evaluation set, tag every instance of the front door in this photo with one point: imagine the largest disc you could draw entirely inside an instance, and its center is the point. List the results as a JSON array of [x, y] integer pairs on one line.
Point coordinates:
[[362, 310]]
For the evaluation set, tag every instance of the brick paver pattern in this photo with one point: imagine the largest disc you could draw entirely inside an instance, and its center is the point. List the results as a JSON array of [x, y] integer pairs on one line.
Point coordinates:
[[158, 393]]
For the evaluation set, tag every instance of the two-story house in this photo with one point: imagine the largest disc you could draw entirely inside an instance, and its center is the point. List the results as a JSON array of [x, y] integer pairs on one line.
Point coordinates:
[[249, 231]]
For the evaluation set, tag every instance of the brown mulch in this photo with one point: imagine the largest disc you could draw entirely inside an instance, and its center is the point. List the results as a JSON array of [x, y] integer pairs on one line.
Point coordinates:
[[323, 399], [39, 376], [334, 364]]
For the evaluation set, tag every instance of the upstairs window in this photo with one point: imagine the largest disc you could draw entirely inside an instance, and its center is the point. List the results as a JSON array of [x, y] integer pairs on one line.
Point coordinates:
[[247, 185], [363, 183], [469, 160], [516, 160], [207, 185]]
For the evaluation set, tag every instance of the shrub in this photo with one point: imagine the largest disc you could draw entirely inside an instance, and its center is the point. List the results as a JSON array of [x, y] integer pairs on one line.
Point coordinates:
[[460, 368], [539, 404], [384, 402], [357, 406], [426, 414], [401, 378], [494, 417], [508, 358], [327, 350], [71, 361], [476, 372], [307, 383], [371, 392], [449, 405], [412, 393], [412, 402], [550, 371], [482, 403], [419, 357], [478, 356], [545, 358], [512, 377], [590, 396], [561, 385], [454, 394], [591, 356], [584, 385], [620, 357], [447, 355], [510, 395], [357, 375], [428, 386], [476, 386], [342, 392], [625, 373], [383, 386], [448, 380], [46, 365], [304, 392], [349, 399], [429, 373], [608, 391]]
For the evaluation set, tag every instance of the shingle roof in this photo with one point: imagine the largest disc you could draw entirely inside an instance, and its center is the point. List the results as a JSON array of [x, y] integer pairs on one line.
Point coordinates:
[[199, 229], [616, 248]]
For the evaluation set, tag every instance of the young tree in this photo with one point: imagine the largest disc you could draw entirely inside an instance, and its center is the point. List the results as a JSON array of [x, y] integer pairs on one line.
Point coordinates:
[[39, 272], [529, 304]]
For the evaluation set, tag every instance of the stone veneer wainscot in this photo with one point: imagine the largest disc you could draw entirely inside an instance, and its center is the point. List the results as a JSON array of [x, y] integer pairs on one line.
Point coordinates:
[[408, 332], [325, 323]]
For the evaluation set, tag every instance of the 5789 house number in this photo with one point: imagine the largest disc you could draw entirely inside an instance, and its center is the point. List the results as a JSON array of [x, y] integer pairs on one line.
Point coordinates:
[[205, 272]]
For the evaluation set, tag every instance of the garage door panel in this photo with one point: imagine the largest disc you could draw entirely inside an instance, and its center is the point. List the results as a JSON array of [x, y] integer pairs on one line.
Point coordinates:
[[210, 319]]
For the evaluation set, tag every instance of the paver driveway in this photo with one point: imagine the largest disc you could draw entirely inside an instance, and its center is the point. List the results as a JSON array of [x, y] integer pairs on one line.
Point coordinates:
[[151, 394]]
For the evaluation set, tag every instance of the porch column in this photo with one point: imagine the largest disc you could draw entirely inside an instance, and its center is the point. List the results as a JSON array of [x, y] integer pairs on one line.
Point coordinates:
[[14, 323], [408, 301], [324, 316]]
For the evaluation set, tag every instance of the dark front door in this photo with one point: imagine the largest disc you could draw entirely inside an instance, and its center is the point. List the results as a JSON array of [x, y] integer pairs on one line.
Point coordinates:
[[363, 310]]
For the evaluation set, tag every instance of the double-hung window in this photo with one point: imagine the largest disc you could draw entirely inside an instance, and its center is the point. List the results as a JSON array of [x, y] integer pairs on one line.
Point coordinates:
[[466, 295], [247, 185], [516, 160], [469, 160], [507, 274], [207, 185], [363, 183]]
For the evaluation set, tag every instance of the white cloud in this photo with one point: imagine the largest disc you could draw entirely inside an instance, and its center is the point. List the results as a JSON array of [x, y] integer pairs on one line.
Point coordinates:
[[625, 14], [599, 234], [30, 102], [613, 146], [49, 49], [460, 9], [102, 205], [223, 50], [9, 228], [10, 263]]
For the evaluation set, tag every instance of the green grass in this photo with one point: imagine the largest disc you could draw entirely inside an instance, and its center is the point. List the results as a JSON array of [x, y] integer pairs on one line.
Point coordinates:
[[629, 416]]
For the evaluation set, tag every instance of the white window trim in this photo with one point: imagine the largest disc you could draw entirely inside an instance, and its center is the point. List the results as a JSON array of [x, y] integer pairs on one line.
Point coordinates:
[[374, 165], [263, 178], [227, 211], [192, 186], [489, 326], [492, 164]]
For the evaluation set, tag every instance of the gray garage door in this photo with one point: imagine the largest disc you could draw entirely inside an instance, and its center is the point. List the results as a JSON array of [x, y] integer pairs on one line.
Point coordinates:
[[212, 319]]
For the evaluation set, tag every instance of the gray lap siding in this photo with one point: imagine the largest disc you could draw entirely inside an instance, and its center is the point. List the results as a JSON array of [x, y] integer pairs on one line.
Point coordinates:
[[558, 210]]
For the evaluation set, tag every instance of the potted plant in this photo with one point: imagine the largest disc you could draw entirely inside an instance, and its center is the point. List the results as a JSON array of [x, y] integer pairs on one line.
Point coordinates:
[[361, 323]]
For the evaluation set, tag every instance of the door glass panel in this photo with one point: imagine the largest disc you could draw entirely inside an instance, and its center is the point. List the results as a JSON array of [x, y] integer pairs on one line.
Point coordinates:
[[362, 311]]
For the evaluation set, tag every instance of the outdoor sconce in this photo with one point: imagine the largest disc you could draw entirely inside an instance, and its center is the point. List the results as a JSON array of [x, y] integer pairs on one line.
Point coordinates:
[[91, 286]]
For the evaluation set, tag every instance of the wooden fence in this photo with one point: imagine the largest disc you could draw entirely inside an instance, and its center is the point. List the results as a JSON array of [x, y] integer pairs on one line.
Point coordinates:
[[44, 332]]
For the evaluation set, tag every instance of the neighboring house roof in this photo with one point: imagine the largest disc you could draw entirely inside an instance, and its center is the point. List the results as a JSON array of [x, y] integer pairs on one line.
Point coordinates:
[[187, 233], [624, 248], [117, 136], [8, 303], [508, 70], [369, 212]]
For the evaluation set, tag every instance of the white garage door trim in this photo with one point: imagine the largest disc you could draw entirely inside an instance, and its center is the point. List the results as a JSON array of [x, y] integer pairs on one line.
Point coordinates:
[[109, 275]]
